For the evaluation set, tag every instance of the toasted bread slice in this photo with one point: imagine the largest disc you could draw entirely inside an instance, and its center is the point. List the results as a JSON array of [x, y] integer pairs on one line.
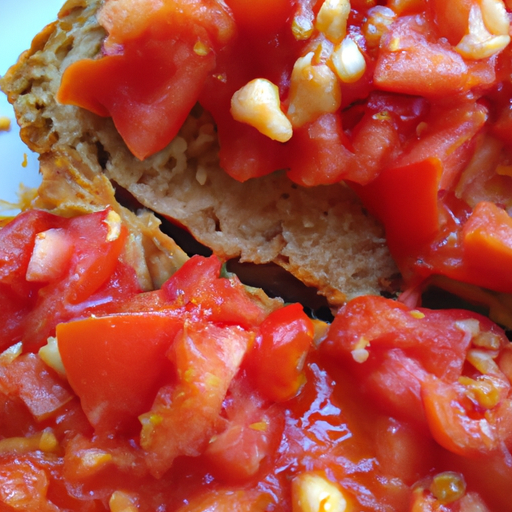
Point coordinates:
[[322, 235]]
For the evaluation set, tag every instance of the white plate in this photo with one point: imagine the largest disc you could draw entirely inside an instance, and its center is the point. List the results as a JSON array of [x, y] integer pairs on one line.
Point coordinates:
[[20, 21]]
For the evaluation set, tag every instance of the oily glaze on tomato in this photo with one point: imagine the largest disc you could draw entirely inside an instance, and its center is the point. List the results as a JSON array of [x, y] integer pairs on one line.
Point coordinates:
[[201, 397], [55, 269]]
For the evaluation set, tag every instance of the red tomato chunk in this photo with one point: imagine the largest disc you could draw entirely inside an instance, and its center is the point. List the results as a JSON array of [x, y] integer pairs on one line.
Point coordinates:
[[199, 397], [368, 92]]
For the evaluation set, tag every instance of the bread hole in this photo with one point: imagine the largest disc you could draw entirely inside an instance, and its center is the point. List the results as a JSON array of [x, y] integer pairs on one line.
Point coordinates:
[[64, 50], [285, 260], [27, 89], [53, 135], [210, 214], [102, 154]]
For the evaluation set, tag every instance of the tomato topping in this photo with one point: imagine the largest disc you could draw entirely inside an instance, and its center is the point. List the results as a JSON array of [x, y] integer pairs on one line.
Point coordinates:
[[151, 74], [411, 221], [377, 79], [206, 358], [463, 407], [116, 364], [55, 269], [405, 61], [38, 386], [277, 358], [487, 236], [248, 443], [196, 397], [267, 16], [174, 398], [197, 285], [456, 425]]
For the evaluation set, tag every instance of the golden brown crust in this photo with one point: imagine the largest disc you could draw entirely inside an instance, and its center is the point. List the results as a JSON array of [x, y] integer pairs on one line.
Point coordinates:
[[69, 188]]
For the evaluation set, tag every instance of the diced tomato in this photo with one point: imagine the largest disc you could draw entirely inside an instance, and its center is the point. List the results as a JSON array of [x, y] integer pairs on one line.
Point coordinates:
[[402, 450], [242, 500], [236, 403], [184, 416], [276, 360], [90, 268], [487, 236], [244, 152], [457, 426], [502, 128], [265, 16], [379, 340], [39, 289], [137, 85], [197, 285], [95, 277], [12, 312], [18, 238], [327, 157], [448, 138], [247, 446], [24, 486], [411, 63], [451, 18], [485, 178], [37, 385], [117, 363], [405, 200]]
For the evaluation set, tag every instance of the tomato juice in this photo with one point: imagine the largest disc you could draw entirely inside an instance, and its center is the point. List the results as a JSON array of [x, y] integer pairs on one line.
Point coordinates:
[[198, 396]]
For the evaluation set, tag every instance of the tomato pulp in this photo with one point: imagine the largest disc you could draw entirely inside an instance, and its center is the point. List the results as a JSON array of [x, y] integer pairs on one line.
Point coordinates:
[[409, 102], [206, 396]]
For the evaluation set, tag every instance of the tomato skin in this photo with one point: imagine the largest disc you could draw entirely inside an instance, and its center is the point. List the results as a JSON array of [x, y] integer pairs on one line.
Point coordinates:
[[327, 154], [267, 16], [184, 416], [408, 69], [487, 236], [116, 364], [197, 285], [387, 344], [451, 18], [276, 359], [413, 220], [132, 83]]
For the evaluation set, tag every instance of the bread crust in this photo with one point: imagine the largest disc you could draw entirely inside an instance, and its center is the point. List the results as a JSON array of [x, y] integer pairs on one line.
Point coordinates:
[[322, 235]]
